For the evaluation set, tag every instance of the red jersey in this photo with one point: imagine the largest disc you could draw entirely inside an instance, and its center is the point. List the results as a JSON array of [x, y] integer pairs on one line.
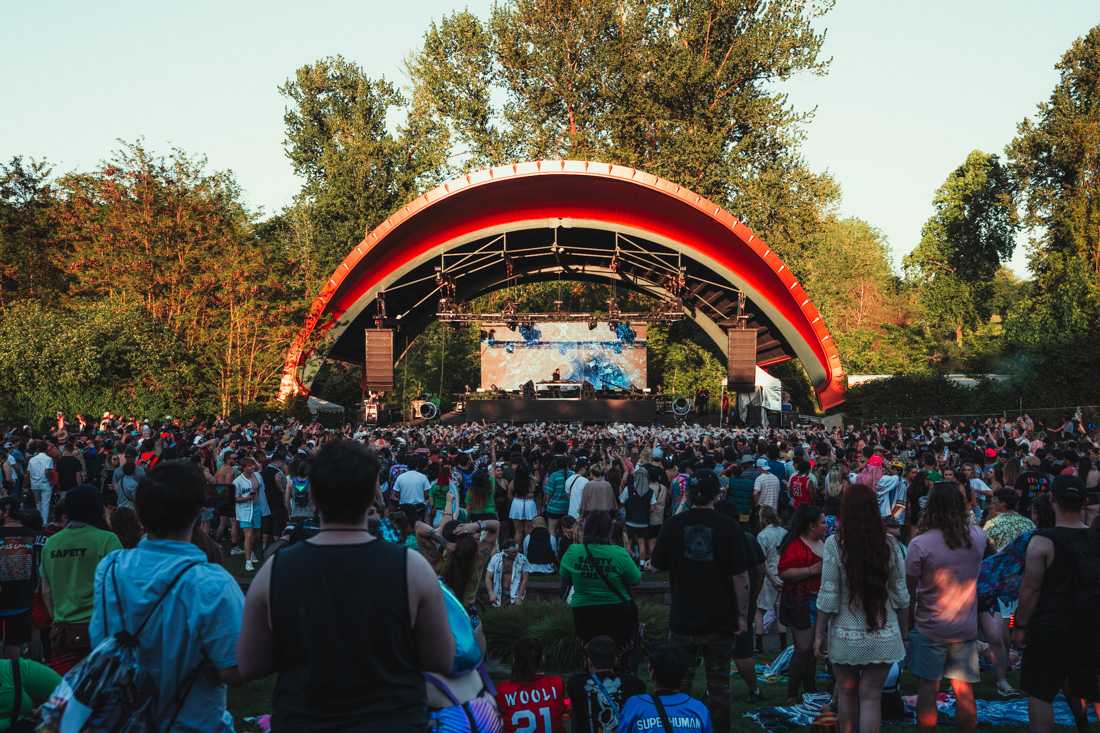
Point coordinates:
[[533, 707], [799, 489]]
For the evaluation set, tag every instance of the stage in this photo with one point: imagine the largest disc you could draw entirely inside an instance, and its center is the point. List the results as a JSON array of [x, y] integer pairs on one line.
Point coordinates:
[[562, 410]]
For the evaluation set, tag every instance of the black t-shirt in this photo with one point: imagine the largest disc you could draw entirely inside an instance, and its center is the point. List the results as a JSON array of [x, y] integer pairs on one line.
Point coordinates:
[[591, 710], [67, 469], [20, 554], [702, 550]]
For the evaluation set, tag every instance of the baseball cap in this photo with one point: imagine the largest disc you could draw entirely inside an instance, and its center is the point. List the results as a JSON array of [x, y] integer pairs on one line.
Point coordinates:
[[875, 460], [745, 459], [763, 465], [990, 453]]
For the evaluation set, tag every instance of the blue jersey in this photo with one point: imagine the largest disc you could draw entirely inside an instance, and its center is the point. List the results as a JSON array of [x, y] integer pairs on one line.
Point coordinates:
[[685, 713]]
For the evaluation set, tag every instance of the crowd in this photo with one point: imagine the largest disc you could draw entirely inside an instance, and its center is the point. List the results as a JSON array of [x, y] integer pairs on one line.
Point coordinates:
[[370, 556]]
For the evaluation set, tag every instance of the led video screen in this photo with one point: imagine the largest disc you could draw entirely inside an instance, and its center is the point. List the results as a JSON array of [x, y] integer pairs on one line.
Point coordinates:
[[606, 358]]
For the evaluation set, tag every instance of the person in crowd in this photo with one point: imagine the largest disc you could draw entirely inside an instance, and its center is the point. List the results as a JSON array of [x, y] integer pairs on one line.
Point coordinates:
[[70, 468], [598, 694], [184, 612], [42, 473], [21, 548], [1007, 524], [557, 498], [460, 568], [799, 567], [506, 576], [69, 560], [524, 508], [1056, 618], [669, 708], [298, 498], [412, 488], [602, 574], [443, 497], [599, 494], [248, 489], [383, 617], [531, 700], [125, 524], [709, 579], [802, 486], [275, 485], [890, 488], [226, 500], [740, 486], [942, 567], [638, 498], [863, 609], [481, 498], [575, 486], [767, 602], [766, 487], [541, 549]]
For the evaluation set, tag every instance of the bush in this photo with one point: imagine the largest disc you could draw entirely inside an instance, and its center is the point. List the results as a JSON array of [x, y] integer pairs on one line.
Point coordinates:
[[552, 623]]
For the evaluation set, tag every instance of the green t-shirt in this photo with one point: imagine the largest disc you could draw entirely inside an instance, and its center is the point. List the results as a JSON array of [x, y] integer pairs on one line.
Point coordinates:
[[489, 506], [437, 495], [38, 682], [69, 560], [588, 588]]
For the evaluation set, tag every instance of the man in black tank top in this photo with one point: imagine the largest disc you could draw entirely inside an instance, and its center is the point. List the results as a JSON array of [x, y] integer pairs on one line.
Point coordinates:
[[1056, 619], [347, 621]]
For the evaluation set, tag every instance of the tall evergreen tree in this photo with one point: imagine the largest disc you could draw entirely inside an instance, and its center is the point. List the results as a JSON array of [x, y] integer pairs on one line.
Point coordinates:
[[1055, 158]]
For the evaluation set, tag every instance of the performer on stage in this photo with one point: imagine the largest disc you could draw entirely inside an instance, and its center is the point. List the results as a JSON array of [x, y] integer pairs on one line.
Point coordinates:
[[556, 377]]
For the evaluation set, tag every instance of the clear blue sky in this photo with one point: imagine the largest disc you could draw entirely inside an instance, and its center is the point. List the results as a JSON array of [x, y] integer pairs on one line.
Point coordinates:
[[914, 84]]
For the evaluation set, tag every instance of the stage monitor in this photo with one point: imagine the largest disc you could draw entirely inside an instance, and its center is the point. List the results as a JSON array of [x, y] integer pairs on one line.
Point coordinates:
[[605, 357]]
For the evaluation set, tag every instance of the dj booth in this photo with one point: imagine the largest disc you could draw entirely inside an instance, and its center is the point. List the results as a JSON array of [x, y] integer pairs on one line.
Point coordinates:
[[562, 410]]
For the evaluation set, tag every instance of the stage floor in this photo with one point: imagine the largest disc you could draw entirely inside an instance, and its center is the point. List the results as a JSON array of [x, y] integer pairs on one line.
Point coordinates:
[[562, 410]]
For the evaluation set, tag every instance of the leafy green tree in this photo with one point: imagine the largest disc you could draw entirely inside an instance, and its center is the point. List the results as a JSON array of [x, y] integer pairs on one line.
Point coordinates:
[[97, 356], [357, 170], [1055, 158], [168, 234], [685, 90], [965, 241], [27, 207]]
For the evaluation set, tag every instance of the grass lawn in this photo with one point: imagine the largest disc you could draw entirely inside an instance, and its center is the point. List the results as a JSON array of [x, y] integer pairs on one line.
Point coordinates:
[[255, 699]]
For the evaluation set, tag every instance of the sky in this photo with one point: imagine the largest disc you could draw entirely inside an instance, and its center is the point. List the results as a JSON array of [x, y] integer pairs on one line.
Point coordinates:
[[913, 87]]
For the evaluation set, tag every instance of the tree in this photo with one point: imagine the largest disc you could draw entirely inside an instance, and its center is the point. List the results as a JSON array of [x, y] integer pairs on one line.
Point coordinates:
[[971, 232], [1055, 159], [165, 233], [685, 90], [27, 201], [101, 355], [356, 170]]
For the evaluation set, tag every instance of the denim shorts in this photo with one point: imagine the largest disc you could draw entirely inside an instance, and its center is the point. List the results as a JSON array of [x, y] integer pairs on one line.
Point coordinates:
[[933, 660]]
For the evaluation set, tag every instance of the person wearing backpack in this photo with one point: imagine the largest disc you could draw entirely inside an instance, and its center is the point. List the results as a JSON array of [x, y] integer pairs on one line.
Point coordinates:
[[298, 499], [669, 708], [184, 612], [1056, 618]]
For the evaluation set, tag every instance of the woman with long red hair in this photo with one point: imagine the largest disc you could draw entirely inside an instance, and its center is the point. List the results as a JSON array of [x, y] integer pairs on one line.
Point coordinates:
[[863, 609]]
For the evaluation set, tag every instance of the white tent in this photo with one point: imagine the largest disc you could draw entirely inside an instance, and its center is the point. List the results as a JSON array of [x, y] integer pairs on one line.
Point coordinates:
[[316, 405]]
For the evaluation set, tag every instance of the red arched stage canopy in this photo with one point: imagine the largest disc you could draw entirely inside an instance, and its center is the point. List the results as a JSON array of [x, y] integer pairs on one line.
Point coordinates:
[[564, 219]]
